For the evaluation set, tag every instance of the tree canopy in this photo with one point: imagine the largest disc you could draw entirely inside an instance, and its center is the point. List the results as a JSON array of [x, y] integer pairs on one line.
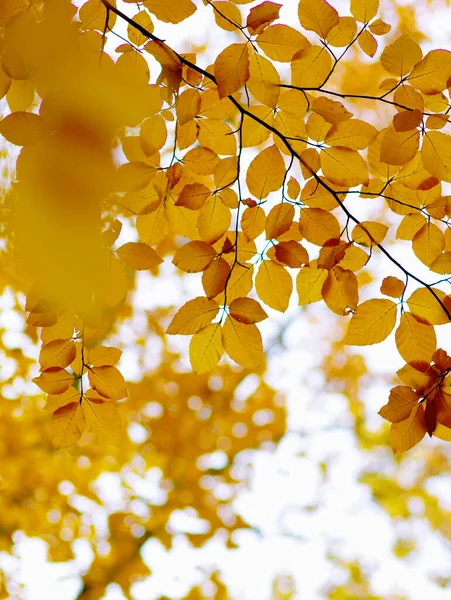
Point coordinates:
[[164, 203]]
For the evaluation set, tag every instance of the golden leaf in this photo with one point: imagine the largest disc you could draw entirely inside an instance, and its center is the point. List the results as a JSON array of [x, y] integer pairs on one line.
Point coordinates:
[[372, 322], [192, 316], [243, 343], [108, 382], [274, 285], [231, 69], [416, 342], [401, 402], [205, 349], [247, 311], [139, 256]]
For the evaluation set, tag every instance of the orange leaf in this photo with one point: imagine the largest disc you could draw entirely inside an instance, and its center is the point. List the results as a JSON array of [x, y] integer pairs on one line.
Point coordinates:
[[57, 353], [344, 167], [340, 291], [401, 56], [67, 425], [247, 311], [108, 382], [406, 434], [292, 254], [279, 220], [318, 16], [318, 226], [401, 402], [139, 256], [424, 305], [392, 286], [215, 276], [261, 16], [265, 173], [231, 69]]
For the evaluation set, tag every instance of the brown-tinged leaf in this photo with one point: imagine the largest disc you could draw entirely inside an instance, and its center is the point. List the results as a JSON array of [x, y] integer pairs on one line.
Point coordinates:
[[340, 291], [401, 402], [292, 254], [392, 286], [192, 316], [247, 311], [261, 16]]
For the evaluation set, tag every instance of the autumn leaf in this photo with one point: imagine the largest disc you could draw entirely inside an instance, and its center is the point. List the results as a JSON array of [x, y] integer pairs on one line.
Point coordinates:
[[243, 343], [407, 433], [206, 349], [139, 256], [193, 316], [371, 323], [247, 311], [108, 382]]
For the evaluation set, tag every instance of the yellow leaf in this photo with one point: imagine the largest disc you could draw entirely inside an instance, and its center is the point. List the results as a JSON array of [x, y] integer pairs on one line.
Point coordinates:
[[399, 147], [92, 15], [309, 284], [240, 282], [55, 401], [372, 322], [67, 425], [205, 349], [188, 105], [364, 10], [193, 316], [108, 382], [133, 176], [428, 243], [226, 172], [101, 356], [318, 16], [215, 276], [264, 80], [20, 94], [401, 402], [23, 128], [231, 69], [352, 133], [344, 167], [279, 220], [404, 435], [281, 42], [392, 286], [436, 154], [243, 343], [318, 226], [139, 256], [340, 291], [253, 222], [217, 136], [401, 56], [354, 258], [292, 254], [261, 16], [378, 27], [201, 161], [293, 188], [424, 305], [274, 285], [154, 227], [57, 353], [227, 15], [247, 311], [143, 19], [103, 420], [367, 43], [265, 173], [368, 233], [310, 67], [342, 34], [153, 134], [431, 75], [214, 219], [194, 257], [171, 11], [193, 196], [54, 380], [416, 342]]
